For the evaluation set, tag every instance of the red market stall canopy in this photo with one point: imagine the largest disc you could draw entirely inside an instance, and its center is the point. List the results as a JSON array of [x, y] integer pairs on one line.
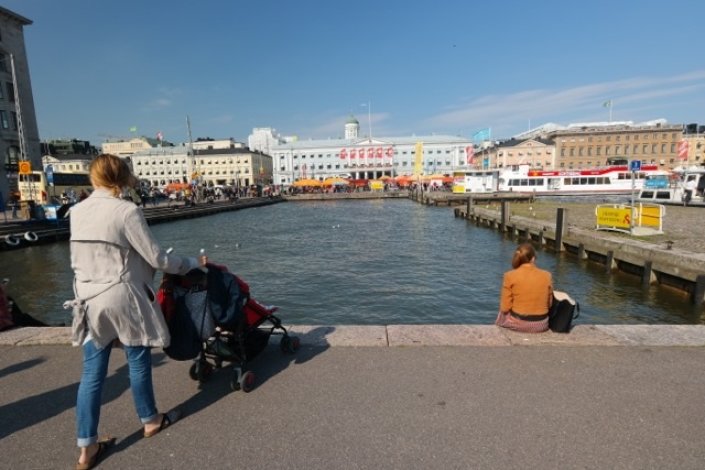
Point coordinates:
[[404, 180], [172, 187], [359, 183]]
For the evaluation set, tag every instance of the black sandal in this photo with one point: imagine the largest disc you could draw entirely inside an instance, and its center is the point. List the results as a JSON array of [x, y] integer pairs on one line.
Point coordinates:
[[168, 419], [103, 446]]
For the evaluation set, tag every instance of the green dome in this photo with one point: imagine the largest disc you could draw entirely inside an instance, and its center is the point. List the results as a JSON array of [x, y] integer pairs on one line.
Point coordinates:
[[352, 120]]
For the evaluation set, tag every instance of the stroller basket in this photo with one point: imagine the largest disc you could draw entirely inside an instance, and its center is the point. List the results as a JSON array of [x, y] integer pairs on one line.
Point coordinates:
[[213, 319]]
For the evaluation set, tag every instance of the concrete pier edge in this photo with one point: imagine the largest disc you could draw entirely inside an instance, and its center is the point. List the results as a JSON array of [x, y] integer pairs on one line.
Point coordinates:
[[436, 335]]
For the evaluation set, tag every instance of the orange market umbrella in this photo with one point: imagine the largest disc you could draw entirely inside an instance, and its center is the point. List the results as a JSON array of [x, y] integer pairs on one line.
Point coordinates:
[[404, 180], [437, 177], [335, 182], [307, 182]]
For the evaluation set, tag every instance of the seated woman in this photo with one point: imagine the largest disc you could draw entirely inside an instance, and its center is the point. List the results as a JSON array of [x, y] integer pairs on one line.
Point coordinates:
[[527, 293]]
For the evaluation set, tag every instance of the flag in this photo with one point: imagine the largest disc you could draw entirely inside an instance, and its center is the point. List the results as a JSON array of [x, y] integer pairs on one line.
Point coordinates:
[[160, 136], [418, 159], [607, 104], [133, 129], [482, 134], [683, 149]]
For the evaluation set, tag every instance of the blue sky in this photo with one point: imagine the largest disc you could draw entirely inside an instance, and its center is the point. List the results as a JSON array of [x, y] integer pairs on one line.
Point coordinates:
[[452, 67]]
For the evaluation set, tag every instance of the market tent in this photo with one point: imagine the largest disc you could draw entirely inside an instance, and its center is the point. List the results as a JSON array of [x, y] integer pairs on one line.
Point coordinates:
[[171, 187], [307, 182], [404, 180], [335, 182], [359, 183]]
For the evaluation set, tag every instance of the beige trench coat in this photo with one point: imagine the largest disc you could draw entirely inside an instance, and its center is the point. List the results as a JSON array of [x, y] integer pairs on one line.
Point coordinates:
[[114, 257]]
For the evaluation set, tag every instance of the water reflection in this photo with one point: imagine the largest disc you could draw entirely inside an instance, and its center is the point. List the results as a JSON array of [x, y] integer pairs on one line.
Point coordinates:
[[363, 262]]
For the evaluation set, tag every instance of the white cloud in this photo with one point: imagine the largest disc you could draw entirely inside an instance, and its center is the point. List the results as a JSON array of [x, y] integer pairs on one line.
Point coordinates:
[[575, 103]]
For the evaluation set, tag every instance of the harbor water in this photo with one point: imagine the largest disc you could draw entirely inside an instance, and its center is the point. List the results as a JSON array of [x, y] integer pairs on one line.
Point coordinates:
[[371, 262]]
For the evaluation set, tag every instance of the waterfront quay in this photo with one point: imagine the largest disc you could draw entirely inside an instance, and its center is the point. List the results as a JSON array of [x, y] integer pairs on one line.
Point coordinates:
[[675, 258], [23, 233]]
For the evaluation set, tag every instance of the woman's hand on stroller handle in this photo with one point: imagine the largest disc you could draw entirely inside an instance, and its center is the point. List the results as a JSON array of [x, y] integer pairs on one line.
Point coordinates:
[[202, 260]]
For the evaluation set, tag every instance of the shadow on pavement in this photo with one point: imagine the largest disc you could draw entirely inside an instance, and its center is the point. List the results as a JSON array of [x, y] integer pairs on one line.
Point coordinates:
[[21, 366], [37, 408]]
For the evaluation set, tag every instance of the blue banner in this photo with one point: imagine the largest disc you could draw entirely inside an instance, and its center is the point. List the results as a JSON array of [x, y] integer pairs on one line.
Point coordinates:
[[50, 175]]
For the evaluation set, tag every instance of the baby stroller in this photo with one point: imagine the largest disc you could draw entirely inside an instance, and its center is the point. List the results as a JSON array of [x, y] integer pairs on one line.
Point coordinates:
[[213, 319]]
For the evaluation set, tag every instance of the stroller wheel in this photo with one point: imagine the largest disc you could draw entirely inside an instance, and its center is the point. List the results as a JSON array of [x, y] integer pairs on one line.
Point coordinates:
[[201, 371], [290, 344], [242, 381], [247, 381]]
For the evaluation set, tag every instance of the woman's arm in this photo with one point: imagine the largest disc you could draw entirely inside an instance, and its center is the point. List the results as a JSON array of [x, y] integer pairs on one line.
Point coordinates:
[[505, 296], [142, 240]]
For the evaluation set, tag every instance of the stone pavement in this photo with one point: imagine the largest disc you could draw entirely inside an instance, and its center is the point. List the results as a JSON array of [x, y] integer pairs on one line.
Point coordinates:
[[400, 396], [679, 223]]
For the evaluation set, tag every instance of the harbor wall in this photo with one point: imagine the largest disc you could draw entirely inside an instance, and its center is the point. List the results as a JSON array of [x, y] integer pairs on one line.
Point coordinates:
[[652, 263]]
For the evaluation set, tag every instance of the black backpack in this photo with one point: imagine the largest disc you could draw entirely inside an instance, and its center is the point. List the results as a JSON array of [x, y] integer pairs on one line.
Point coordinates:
[[563, 311]]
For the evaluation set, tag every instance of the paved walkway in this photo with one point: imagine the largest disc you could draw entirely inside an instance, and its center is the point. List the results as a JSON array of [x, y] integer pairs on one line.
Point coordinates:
[[617, 397], [679, 224]]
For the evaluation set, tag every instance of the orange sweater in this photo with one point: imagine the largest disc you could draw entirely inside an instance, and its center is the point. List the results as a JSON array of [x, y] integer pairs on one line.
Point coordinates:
[[526, 290]]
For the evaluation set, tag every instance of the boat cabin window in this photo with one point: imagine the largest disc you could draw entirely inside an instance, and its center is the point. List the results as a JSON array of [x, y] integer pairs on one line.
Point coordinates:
[[526, 182], [663, 195]]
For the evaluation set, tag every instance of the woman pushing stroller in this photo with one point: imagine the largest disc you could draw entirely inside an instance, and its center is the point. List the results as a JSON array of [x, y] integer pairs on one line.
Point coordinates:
[[114, 257]]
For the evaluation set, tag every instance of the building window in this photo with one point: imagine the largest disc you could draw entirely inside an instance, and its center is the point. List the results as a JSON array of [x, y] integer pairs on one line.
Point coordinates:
[[673, 147], [635, 149], [3, 63], [10, 91], [3, 120]]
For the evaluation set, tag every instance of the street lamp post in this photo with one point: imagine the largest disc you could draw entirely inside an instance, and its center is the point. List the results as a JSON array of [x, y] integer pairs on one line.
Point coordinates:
[[368, 105]]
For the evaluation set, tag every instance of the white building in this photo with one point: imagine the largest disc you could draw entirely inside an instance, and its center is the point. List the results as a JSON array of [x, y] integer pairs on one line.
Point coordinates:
[[357, 157], [211, 144], [71, 163], [232, 166], [126, 147], [264, 139]]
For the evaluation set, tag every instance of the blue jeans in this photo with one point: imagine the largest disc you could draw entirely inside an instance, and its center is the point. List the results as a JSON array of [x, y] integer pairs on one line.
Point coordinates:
[[95, 368]]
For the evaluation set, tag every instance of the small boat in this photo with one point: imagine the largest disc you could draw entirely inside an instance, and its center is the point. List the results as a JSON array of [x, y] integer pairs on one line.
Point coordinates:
[[683, 186], [612, 180]]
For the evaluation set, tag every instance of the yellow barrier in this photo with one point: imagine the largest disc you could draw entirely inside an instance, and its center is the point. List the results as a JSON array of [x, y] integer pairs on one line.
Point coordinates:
[[613, 217], [619, 217]]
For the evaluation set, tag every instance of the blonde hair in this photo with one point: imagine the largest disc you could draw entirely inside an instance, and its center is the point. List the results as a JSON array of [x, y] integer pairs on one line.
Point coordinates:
[[524, 253], [111, 172]]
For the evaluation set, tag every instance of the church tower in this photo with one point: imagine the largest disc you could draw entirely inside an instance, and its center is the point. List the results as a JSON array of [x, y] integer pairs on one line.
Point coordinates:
[[352, 128]]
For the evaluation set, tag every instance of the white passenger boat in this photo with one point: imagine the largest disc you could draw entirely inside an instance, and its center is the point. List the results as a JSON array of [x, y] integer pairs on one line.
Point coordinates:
[[607, 180], [684, 186]]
